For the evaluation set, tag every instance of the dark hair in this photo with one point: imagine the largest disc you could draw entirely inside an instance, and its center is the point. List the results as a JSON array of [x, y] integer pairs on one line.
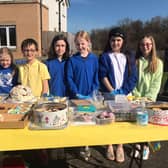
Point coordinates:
[[115, 32], [52, 54], [118, 32], [28, 42]]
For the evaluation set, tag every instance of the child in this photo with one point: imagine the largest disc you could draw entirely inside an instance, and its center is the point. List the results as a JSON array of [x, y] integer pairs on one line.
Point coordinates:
[[82, 69], [33, 73], [8, 71], [58, 54], [117, 73], [150, 71], [82, 74]]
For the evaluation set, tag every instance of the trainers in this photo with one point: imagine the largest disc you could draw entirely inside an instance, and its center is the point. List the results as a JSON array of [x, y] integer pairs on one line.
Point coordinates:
[[136, 155], [85, 153], [146, 153]]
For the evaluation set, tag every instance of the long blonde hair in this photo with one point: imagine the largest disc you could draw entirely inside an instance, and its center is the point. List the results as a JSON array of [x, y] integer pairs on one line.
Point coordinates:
[[85, 35], [153, 59]]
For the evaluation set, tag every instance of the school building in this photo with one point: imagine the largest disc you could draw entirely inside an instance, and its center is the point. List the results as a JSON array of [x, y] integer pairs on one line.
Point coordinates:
[[21, 19]]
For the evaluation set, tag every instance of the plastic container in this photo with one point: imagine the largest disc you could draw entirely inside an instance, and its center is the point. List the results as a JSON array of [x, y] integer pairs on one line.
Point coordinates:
[[115, 107], [142, 118], [103, 121], [105, 117], [122, 111]]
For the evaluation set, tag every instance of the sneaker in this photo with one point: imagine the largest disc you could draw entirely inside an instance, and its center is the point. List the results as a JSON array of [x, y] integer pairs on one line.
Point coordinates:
[[136, 155], [146, 153], [85, 153]]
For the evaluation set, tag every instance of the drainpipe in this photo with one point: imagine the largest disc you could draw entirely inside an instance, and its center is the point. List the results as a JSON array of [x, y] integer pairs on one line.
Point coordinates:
[[41, 25], [59, 19]]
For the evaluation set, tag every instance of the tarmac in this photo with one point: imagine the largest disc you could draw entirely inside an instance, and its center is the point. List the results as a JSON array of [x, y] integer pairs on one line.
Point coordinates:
[[69, 158]]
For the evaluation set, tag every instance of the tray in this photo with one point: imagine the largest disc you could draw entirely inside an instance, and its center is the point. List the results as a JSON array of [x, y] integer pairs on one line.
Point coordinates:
[[13, 120], [158, 104], [14, 115]]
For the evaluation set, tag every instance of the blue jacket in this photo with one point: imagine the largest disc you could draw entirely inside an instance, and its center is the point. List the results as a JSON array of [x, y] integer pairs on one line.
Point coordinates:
[[57, 80], [82, 75], [106, 70], [7, 79]]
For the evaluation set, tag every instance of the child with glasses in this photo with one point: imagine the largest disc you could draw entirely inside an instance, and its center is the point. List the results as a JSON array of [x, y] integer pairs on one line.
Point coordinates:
[[33, 73], [150, 71]]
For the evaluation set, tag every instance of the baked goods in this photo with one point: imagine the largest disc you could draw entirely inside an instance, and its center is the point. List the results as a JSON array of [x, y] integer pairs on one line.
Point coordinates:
[[158, 116], [105, 118], [160, 105], [51, 115], [21, 93]]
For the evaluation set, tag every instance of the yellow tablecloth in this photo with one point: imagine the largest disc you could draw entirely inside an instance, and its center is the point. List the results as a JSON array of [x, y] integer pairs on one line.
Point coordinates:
[[115, 133]]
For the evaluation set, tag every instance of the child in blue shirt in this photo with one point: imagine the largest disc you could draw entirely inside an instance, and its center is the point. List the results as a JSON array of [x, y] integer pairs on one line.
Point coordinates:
[[82, 69], [57, 57], [8, 71], [82, 74]]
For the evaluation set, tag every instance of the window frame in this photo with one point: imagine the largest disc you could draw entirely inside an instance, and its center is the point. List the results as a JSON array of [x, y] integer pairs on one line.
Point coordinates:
[[7, 27]]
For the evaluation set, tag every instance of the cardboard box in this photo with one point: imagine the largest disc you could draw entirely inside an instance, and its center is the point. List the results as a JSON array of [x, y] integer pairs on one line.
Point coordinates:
[[12, 120]]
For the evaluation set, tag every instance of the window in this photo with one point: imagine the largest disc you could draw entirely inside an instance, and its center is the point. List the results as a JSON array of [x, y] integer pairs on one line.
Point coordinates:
[[8, 36]]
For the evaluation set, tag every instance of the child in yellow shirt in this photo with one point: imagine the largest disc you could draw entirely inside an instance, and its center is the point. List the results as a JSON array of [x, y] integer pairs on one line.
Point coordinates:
[[33, 73]]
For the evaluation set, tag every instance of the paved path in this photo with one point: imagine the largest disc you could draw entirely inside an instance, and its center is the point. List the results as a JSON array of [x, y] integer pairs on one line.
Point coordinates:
[[157, 160]]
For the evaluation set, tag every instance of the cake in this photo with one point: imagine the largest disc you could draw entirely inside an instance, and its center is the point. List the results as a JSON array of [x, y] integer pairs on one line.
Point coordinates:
[[21, 93], [158, 116], [50, 115]]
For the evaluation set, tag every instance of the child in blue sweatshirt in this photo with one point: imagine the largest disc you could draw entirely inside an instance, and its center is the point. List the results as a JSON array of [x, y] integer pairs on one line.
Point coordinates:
[[57, 57], [82, 69], [82, 74]]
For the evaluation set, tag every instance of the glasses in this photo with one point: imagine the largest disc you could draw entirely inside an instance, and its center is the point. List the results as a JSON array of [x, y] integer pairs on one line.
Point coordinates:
[[146, 44], [31, 50]]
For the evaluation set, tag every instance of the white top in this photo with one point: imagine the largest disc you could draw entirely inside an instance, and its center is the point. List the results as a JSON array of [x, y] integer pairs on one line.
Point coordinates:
[[118, 60]]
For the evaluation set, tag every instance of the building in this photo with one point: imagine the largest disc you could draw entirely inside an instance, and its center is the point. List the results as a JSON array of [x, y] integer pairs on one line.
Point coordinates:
[[21, 19]]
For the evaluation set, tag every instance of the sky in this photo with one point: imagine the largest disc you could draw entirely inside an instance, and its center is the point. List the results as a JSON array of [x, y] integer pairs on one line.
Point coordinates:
[[96, 14]]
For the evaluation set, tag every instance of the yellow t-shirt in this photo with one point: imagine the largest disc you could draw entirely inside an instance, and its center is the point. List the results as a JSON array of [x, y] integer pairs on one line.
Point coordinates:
[[32, 75]]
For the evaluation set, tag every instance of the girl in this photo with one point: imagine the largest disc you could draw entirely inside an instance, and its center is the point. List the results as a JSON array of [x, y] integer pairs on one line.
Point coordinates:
[[58, 54], [150, 71], [8, 71], [117, 73], [82, 69], [82, 74]]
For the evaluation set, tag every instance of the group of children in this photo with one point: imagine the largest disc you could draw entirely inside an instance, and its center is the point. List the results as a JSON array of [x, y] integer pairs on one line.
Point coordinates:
[[117, 70]]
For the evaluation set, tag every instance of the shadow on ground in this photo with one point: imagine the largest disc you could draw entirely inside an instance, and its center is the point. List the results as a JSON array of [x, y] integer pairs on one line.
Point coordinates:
[[71, 159]]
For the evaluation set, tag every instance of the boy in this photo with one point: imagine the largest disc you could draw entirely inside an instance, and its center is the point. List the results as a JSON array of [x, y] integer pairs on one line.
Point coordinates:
[[33, 73]]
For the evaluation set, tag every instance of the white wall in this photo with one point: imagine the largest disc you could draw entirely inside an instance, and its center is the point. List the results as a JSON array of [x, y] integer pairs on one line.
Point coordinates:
[[53, 7]]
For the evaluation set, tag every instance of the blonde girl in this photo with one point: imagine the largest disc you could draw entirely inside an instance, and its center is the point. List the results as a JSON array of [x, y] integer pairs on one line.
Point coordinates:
[[8, 71], [82, 69]]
